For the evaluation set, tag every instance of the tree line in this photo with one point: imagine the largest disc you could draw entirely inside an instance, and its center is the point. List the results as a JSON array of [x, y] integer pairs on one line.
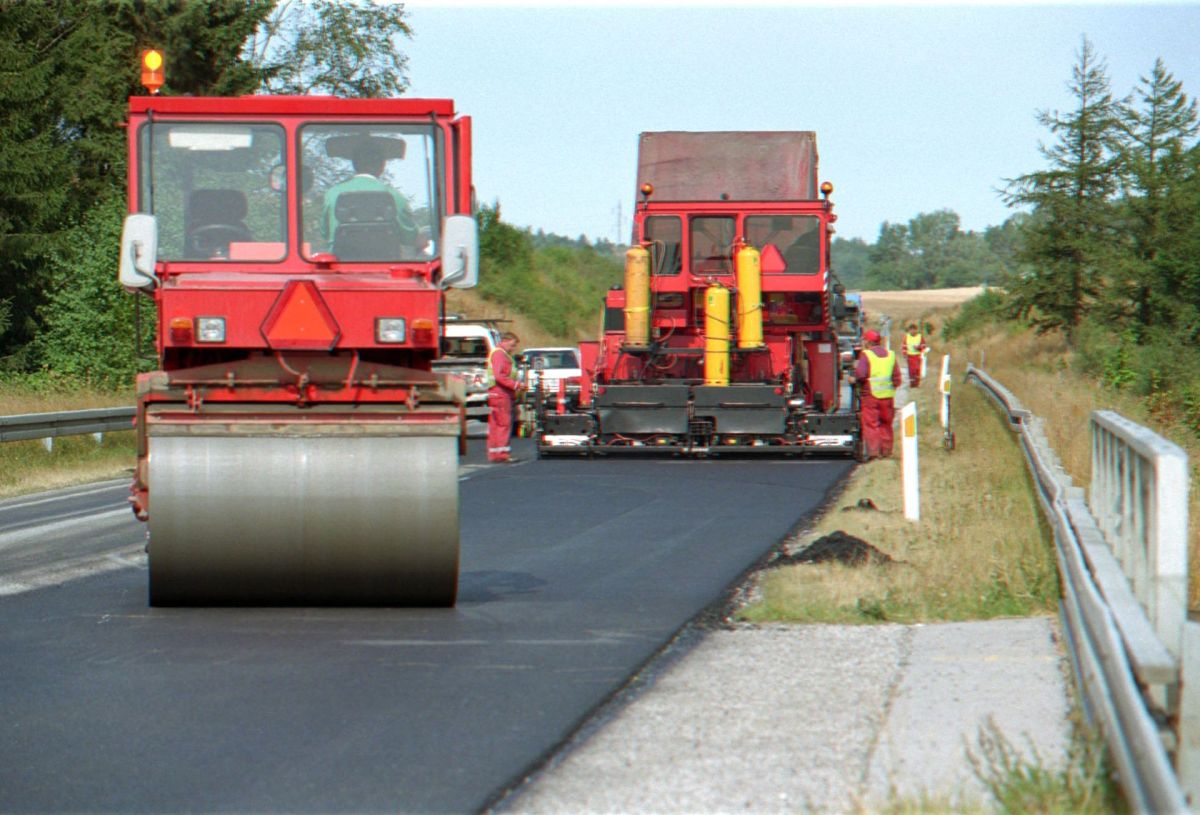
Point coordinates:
[[1114, 223], [1109, 250], [67, 68], [930, 251], [1103, 246], [557, 282]]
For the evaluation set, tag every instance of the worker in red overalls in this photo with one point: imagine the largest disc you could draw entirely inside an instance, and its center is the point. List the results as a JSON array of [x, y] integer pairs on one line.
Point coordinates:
[[502, 394], [878, 376], [914, 350]]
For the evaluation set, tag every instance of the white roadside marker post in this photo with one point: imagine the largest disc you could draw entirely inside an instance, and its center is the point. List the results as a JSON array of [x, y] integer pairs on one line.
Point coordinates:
[[944, 388], [908, 448]]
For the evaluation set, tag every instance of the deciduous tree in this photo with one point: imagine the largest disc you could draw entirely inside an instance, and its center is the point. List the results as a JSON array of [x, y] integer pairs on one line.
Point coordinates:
[[60, 144], [66, 70], [337, 47]]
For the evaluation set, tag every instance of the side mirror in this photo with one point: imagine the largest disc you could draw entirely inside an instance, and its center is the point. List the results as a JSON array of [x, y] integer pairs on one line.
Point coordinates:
[[139, 250], [460, 252]]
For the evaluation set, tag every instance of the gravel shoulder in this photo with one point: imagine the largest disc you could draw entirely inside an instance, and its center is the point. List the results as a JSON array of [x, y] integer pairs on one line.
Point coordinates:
[[785, 718]]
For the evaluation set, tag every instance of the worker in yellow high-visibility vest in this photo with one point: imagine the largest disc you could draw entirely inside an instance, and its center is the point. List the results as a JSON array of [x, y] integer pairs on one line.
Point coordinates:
[[914, 347], [878, 377]]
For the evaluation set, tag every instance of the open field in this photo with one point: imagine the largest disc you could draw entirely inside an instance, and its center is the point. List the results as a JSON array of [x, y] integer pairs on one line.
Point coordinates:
[[924, 306]]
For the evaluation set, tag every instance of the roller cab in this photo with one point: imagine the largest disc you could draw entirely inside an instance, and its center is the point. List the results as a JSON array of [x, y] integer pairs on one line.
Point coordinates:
[[295, 444]]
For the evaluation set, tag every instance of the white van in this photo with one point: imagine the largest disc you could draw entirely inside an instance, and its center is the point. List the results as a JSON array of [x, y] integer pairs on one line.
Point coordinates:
[[466, 347]]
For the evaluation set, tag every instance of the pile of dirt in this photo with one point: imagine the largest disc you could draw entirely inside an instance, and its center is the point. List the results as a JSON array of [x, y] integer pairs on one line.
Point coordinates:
[[839, 546]]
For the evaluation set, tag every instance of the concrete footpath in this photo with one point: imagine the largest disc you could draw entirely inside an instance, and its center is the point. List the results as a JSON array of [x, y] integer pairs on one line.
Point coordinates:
[[817, 718]]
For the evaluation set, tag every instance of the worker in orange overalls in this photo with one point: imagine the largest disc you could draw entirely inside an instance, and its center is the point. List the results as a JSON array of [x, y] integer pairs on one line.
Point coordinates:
[[914, 349], [502, 394], [878, 376]]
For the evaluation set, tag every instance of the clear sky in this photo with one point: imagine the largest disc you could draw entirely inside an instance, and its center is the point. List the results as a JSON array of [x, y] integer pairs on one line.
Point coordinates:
[[916, 107]]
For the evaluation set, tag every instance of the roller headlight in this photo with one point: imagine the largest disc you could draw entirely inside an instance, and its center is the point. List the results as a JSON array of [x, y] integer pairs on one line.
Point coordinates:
[[210, 329], [389, 329]]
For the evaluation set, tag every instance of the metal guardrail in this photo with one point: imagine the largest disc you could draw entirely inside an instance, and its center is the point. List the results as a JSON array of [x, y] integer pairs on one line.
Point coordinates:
[[47, 426], [1130, 679]]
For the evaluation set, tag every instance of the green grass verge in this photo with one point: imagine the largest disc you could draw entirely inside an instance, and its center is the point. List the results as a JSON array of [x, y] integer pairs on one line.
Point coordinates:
[[981, 549], [27, 466]]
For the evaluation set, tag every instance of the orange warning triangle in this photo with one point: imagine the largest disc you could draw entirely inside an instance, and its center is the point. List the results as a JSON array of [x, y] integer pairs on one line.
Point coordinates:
[[772, 262], [300, 319]]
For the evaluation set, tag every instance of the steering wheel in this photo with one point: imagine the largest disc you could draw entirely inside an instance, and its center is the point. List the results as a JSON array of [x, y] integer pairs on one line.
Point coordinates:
[[212, 238]]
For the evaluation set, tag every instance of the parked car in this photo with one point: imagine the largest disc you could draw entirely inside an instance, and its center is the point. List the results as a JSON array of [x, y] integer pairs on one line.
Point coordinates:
[[466, 346]]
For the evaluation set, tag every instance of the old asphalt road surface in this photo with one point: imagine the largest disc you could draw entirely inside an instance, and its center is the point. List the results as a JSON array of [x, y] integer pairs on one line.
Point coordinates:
[[574, 573], [816, 718]]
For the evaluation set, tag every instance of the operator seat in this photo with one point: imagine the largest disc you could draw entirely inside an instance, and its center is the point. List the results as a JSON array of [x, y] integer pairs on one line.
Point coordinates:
[[367, 227], [804, 255], [214, 219]]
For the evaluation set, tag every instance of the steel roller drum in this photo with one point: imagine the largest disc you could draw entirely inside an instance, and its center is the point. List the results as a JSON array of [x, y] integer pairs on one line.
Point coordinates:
[[300, 519]]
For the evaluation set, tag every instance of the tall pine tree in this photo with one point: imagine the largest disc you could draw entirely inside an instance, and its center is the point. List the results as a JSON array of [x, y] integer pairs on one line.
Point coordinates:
[[1069, 241], [1158, 125]]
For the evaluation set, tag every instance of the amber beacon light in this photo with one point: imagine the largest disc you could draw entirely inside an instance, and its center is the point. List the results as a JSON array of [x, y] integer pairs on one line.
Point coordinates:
[[152, 69]]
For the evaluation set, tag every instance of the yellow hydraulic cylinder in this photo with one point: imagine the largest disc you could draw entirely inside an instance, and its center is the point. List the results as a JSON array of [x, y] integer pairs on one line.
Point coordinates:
[[637, 296], [716, 335], [749, 298]]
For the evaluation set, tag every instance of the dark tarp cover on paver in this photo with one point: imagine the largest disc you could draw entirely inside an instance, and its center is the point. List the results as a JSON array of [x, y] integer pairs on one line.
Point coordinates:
[[729, 165]]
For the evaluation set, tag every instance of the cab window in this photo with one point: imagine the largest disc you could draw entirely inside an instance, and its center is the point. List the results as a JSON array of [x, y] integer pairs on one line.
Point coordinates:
[[210, 187], [795, 238], [665, 234], [711, 240], [373, 191]]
